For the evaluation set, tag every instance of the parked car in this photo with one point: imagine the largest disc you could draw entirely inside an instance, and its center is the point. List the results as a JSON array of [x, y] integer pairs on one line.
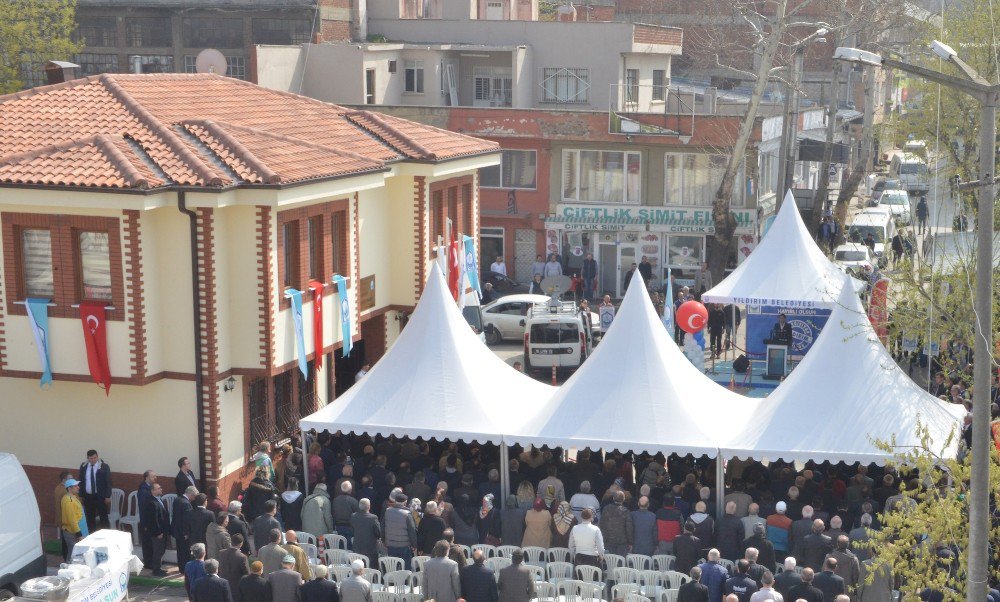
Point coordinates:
[[881, 185], [852, 257], [504, 319], [503, 285], [898, 203]]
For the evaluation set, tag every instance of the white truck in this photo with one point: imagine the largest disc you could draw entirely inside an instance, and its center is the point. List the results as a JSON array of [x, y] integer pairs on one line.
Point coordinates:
[[557, 334], [21, 555]]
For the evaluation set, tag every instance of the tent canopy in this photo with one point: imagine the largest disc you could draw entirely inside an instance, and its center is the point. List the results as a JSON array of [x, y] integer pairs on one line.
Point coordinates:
[[437, 381], [847, 393], [786, 269], [638, 392]]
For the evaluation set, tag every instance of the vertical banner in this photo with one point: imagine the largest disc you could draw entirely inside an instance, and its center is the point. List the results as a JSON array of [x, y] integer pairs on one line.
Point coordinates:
[[878, 310], [607, 315], [470, 264], [300, 343], [454, 269], [668, 305], [94, 321], [316, 287], [345, 313], [38, 312]]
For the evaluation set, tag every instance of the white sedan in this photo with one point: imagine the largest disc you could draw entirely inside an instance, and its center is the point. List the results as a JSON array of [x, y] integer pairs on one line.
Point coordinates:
[[853, 257], [898, 203], [504, 318]]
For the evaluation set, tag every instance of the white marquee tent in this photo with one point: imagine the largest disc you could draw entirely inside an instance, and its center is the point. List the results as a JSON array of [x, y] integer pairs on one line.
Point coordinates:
[[638, 392], [846, 393], [787, 269], [437, 381]]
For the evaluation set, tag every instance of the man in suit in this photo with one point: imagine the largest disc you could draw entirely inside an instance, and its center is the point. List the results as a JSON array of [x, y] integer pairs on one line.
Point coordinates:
[[201, 517], [211, 587], [478, 582], [693, 590], [320, 589], [516, 583], [185, 478], [441, 581], [285, 584], [816, 546], [805, 590], [154, 527], [367, 531], [95, 491], [263, 524], [253, 587], [238, 525], [356, 588], [787, 579], [180, 518], [233, 564], [798, 531], [272, 554], [782, 331], [829, 582]]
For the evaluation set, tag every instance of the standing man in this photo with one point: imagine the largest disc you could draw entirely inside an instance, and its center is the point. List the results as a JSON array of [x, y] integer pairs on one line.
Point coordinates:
[[538, 268], [499, 266], [179, 525], [646, 269], [627, 280], [217, 536], [367, 531], [478, 582], [516, 583], [400, 530], [211, 587], [154, 525], [616, 526], [95, 475], [263, 524], [552, 266], [702, 280], [253, 587], [644, 531], [233, 564], [440, 580], [74, 526], [589, 274], [285, 584], [320, 589], [185, 477], [356, 588], [586, 543], [693, 590], [922, 214], [201, 518]]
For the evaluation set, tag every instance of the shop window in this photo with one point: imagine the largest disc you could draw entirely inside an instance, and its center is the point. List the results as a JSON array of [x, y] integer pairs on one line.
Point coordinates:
[[517, 170], [95, 266], [36, 263], [601, 176], [685, 252]]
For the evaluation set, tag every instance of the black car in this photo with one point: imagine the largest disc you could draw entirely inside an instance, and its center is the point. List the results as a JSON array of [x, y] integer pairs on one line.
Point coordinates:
[[502, 285], [881, 185]]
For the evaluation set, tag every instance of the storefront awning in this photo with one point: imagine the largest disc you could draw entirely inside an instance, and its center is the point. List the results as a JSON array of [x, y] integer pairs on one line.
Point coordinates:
[[644, 217]]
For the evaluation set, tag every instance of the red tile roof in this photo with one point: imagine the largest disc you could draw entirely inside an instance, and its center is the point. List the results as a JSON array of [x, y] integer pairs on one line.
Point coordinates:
[[147, 131]]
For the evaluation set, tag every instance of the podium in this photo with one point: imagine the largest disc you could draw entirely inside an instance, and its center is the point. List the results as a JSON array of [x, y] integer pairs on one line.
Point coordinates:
[[777, 359]]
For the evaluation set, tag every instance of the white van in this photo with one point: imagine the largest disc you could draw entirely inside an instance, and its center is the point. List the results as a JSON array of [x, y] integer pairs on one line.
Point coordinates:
[[880, 224], [21, 556], [556, 334], [911, 171]]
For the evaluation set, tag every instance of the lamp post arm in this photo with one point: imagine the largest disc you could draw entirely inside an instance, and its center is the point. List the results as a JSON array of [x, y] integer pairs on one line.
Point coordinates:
[[979, 91]]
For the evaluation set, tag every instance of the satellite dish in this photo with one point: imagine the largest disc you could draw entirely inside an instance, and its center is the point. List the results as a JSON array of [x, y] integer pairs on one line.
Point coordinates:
[[555, 286], [210, 60]]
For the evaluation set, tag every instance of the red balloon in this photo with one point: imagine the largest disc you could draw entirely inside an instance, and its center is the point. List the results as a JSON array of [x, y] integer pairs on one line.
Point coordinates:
[[691, 316]]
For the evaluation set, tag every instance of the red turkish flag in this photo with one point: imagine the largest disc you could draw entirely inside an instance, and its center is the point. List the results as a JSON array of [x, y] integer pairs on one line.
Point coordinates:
[[878, 309], [317, 292], [93, 317], [454, 270]]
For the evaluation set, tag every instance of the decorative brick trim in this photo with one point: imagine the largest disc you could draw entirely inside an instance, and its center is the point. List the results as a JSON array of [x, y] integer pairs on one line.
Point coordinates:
[[3, 323], [265, 287], [137, 307], [476, 217], [357, 263], [211, 452], [420, 235]]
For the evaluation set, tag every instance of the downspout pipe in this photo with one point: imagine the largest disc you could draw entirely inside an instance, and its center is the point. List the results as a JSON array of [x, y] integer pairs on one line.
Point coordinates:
[[196, 308]]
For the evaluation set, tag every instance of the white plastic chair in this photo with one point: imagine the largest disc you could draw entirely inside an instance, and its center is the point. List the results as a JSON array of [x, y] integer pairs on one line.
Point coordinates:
[[131, 517], [675, 579], [303, 537], [639, 561], [410, 597], [336, 557], [374, 576], [488, 550], [168, 501], [664, 562], [621, 590], [729, 564], [669, 595], [545, 591], [569, 590], [332, 541], [535, 555], [507, 551], [591, 591], [384, 597], [390, 564], [398, 582], [351, 557], [115, 513], [340, 573], [537, 572], [418, 563], [624, 574], [311, 550], [651, 583], [559, 555], [613, 561], [496, 564], [636, 598], [468, 551], [555, 572], [589, 574]]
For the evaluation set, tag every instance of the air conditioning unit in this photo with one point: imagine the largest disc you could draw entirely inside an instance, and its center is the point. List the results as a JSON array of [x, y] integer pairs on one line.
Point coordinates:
[[392, 66]]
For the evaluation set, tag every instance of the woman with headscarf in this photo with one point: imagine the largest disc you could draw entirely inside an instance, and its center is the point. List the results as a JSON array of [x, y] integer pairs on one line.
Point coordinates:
[[465, 521], [487, 522], [562, 522], [415, 512], [537, 526], [525, 494]]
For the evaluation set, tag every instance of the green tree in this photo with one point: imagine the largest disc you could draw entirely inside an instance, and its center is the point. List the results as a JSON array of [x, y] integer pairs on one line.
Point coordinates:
[[31, 33], [933, 516]]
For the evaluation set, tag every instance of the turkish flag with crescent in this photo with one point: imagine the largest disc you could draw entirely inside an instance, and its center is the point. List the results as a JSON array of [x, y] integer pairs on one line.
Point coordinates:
[[92, 314], [317, 292]]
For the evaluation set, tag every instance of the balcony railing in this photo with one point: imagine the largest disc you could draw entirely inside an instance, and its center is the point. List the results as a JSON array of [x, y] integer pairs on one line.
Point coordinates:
[[654, 110]]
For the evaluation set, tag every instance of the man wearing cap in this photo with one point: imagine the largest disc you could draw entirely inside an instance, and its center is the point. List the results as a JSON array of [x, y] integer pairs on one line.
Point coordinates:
[[319, 589], [400, 530], [356, 588], [777, 529], [71, 516], [285, 584]]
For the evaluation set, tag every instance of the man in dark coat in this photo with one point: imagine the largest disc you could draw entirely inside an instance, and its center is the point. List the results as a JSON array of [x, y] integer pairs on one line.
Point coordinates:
[[253, 587], [787, 579], [478, 583], [816, 546], [713, 575], [185, 477], [201, 517], [729, 536], [740, 583], [693, 590], [233, 564], [805, 590], [516, 583], [759, 542], [238, 526], [367, 531], [319, 589], [95, 491], [263, 524], [829, 582], [179, 525], [211, 587], [687, 549], [154, 528]]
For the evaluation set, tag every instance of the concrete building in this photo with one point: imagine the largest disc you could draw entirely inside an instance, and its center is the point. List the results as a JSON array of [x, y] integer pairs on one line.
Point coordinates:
[[188, 204]]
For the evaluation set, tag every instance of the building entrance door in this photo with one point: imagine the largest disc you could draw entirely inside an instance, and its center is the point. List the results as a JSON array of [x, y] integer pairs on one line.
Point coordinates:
[[627, 255], [608, 270]]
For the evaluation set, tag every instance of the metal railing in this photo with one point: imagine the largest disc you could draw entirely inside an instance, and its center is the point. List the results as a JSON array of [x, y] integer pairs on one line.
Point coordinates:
[[654, 110]]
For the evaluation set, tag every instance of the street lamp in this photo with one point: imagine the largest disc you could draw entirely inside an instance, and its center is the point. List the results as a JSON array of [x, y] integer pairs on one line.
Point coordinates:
[[790, 122], [987, 95]]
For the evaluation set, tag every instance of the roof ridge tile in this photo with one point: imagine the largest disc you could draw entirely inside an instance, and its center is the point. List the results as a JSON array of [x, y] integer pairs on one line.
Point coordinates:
[[267, 175], [378, 120]]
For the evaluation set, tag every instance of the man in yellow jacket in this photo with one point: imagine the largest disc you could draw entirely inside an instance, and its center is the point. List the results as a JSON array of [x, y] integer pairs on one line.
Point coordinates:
[[74, 527]]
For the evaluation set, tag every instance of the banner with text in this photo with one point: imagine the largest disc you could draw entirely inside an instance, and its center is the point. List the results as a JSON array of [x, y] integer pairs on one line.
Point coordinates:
[[345, 313], [806, 325]]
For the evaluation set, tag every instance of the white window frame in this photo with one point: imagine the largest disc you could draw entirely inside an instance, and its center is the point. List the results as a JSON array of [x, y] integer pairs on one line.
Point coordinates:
[[417, 67], [739, 186], [499, 81], [501, 168], [557, 74], [236, 67], [659, 93], [626, 200]]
